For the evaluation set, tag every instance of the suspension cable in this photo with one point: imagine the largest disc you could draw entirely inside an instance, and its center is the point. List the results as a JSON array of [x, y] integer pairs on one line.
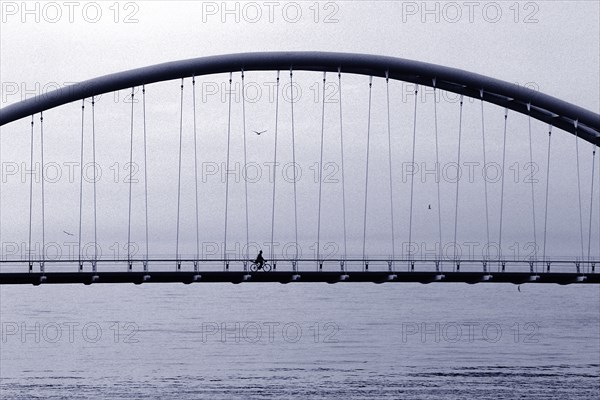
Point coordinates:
[[412, 178], [321, 171], [81, 178], [502, 185], [591, 204], [245, 168], [532, 184], [274, 165], [389, 129], [130, 179], [43, 255], [227, 169], [457, 176], [342, 160], [145, 170], [437, 163], [179, 173], [547, 186], [1, 246], [367, 172], [579, 187], [196, 169], [485, 188], [95, 178], [30, 193], [294, 163]]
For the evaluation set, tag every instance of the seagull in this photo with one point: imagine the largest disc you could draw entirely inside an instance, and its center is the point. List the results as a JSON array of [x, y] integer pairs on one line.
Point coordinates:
[[258, 133], [67, 233]]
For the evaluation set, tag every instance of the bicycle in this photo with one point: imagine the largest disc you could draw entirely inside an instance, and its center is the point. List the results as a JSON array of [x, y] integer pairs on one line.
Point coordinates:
[[266, 267]]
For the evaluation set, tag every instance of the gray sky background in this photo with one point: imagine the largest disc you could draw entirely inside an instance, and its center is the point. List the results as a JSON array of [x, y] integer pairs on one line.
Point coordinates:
[[553, 46]]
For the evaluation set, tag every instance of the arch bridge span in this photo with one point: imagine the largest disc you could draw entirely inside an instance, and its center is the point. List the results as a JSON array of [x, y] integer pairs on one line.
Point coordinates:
[[581, 123]]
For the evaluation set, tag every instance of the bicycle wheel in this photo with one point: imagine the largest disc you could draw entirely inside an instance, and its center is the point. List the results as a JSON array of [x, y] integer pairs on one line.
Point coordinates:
[[266, 267], [253, 267]]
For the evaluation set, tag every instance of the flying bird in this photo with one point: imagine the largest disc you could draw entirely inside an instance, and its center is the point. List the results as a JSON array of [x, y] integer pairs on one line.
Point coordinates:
[[258, 133], [429, 208], [67, 233]]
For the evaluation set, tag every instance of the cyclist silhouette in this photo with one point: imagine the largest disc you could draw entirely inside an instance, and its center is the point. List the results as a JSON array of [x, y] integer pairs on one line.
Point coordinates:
[[259, 260]]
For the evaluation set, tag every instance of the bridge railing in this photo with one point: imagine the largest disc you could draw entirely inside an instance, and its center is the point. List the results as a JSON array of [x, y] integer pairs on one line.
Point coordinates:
[[349, 265]]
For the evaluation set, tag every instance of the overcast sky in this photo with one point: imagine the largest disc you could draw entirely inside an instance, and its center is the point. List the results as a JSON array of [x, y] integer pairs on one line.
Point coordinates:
[[552, 46]]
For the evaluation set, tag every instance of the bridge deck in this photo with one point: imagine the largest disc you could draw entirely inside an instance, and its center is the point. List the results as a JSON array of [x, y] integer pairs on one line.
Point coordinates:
[[187, 277]]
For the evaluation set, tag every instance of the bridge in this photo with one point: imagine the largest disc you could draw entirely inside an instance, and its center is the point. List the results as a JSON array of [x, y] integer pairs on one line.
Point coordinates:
[[340, 167]]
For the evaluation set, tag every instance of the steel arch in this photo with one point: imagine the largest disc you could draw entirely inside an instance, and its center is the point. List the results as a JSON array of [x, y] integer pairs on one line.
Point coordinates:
[[558, 113]]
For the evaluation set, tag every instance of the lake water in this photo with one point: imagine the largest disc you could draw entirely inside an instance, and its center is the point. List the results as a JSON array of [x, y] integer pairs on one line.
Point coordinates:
[[300, 341]]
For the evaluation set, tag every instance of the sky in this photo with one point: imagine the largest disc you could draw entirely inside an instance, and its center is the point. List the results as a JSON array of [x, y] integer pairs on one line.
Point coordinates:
[[551, 46]]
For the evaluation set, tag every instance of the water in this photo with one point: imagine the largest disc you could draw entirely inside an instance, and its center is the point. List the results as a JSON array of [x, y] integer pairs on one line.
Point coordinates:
[[343, 341]]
